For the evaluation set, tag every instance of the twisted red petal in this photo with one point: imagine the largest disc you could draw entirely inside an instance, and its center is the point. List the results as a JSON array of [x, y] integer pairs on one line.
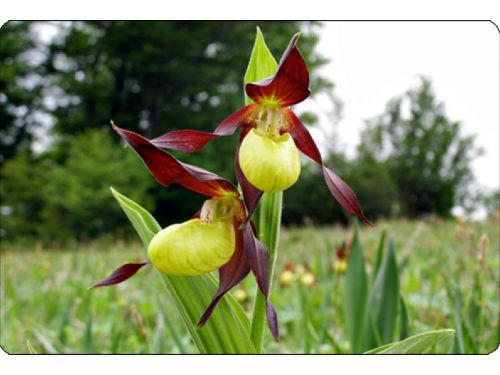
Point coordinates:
[[166, 169], [344, 194], [338, 188], [230, 274], [121, 274], [289, 85], [251, 195], [243, 117], [301, 136], [184, 140], [258, 259]]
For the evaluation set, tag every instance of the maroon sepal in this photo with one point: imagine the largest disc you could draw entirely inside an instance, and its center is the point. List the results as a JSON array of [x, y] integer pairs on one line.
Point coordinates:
[[301, 136], [230, 274], [242, 117], [251, 195], [258, 259], [184, 140], [338, 188], [121, 274], [289, 85], [344, 194], [166, 169]]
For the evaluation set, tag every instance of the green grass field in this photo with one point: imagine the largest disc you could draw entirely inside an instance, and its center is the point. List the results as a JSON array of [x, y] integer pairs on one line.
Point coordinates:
[[47, 308]]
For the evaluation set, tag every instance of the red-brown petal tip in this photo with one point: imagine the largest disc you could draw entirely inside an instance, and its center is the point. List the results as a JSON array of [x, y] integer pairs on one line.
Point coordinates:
[[290, 83], [121, 274]]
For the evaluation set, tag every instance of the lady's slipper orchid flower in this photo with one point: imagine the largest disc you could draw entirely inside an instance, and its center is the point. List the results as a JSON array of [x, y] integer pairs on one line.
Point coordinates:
[[272, 135], [218, 237]]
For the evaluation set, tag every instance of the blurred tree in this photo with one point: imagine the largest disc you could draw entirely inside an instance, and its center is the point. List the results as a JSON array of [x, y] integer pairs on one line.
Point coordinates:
[[374, 186], [19, 89], [72, 199], [424, 152], [301, 206]]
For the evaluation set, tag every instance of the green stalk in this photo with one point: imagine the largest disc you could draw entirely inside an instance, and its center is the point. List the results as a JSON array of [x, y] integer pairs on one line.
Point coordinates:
[[268, 221]]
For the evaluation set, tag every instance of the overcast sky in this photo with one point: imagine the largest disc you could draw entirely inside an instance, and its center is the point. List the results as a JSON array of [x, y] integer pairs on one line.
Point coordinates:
[[372, 62]]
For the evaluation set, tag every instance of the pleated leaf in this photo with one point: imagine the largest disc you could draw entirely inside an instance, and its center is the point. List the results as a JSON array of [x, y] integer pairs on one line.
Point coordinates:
[[404, 323], [384, 300], [227, 330], [356, 295], [417, 344]]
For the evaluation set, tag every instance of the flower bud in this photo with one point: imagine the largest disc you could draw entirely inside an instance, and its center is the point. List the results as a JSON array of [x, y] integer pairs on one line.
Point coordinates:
[[340, 266], [192, 248], [286, 278], [241, 295], [270, 164], [307, 279]]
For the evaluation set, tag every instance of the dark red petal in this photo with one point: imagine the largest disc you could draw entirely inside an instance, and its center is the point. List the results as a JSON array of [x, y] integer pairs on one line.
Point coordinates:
[[258, 259], [301, 136], [290, 83], [251, 195], [166, 169], [344, 194], [184, 140], [121, 274], [242, 117], [230, 274]]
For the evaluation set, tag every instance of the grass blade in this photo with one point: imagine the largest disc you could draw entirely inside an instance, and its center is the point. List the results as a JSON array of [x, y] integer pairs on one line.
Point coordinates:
[[417, 344], [384, 298], [404, 323], [356, 295], [380, 253]]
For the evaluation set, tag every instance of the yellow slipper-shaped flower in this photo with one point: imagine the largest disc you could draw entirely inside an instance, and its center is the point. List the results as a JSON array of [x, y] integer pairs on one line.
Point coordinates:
[[192, 248], [270, 164]]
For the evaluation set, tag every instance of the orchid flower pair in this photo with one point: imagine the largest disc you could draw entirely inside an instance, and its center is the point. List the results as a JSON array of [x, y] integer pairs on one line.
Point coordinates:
[[221, 235]]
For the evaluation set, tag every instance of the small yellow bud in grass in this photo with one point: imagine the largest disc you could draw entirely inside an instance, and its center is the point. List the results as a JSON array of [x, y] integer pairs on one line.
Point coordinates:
[[241, 295], [286, 278], [300, 269], [307, 279], [192, 248], [340, 266], [269, 163]]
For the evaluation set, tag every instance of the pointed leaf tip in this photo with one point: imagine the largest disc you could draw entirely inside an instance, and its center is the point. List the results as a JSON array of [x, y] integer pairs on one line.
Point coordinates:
[[289, 85]]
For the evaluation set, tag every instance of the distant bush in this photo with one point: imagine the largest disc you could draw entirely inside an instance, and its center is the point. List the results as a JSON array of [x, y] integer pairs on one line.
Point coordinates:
[[71, 198], [426, 154]]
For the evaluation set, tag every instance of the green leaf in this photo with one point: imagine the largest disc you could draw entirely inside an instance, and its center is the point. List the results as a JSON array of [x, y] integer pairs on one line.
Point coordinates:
[[456, 300], [404, 323], [262, 63], [384, 299], [380, 253], [417, 344], [227, 330], [31, 349], [356, 295], [144, 223]]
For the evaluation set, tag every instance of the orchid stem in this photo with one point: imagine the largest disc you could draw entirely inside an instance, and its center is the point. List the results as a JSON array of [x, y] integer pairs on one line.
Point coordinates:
[[268, 221]]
